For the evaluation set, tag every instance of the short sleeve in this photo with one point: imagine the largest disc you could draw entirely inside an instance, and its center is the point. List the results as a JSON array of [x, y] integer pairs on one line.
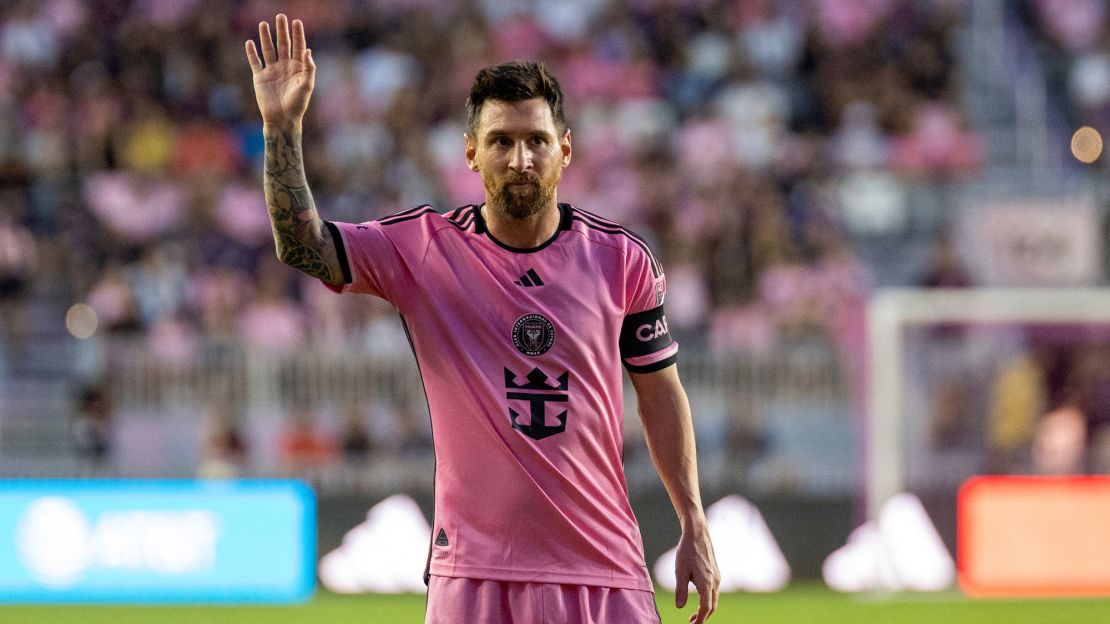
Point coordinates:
[[645, 342], [371, 262]]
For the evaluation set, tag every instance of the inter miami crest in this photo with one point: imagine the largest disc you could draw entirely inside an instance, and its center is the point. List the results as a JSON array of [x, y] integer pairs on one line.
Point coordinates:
[[533, 334]]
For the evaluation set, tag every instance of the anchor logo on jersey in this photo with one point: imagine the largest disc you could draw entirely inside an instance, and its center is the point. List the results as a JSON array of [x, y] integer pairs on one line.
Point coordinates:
[[538, 392]]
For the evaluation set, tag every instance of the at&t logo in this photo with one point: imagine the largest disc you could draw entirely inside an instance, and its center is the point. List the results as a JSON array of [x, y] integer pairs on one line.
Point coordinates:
[[58, 542]]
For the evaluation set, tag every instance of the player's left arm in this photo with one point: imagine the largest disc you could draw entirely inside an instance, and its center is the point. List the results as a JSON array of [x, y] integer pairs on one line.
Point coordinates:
[[669, 431]]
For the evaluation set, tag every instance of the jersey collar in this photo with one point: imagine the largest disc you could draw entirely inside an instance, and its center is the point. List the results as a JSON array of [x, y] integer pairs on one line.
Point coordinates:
[[564, 224]]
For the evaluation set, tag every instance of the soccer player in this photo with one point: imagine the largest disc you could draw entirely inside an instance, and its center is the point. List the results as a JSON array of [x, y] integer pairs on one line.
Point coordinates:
[[521, 311]]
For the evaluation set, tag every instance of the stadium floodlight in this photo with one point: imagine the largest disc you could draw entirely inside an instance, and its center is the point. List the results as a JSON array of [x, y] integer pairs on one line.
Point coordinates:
[[890, 312]]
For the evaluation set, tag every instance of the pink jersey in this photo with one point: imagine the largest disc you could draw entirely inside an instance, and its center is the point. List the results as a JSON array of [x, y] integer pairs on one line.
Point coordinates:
[[520, 351]]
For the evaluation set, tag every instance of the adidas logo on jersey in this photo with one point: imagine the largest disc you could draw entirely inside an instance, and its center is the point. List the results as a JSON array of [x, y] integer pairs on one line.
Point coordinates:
[[529, 279]]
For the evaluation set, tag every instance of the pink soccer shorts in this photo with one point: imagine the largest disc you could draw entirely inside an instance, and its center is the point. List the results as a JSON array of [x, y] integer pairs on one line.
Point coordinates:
[[473, 601]]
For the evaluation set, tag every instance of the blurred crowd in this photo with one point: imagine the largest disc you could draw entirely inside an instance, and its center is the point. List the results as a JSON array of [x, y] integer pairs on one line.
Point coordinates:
[[737, 136], [1071, 40], [749, 141]]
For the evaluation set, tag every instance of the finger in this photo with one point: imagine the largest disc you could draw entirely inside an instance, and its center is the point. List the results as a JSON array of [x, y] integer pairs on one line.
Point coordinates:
[[681, 591], [299, 44], [702, 613], [268, 53], [282, 37], [252, 58], [703, 608], [306, 58]]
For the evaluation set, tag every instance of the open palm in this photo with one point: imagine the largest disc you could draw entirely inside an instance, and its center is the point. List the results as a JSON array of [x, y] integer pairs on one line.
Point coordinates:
[[283, 85]]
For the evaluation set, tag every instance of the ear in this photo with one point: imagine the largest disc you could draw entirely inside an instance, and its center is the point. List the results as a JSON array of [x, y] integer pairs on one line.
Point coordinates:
[[471, 152], [564, 146]]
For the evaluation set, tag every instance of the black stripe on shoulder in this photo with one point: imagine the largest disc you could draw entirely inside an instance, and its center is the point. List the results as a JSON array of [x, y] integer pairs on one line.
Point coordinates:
[[602, 221], [402, 213], [408, 215], [655, 270], [596, 218], [461, 217], [606, 222]]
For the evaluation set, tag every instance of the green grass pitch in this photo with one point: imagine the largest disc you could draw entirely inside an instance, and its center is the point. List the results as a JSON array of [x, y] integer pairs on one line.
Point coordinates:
[[798, 605]]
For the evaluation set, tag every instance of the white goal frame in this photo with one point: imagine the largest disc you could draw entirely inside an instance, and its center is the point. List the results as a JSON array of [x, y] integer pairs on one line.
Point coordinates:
[[891, 311]]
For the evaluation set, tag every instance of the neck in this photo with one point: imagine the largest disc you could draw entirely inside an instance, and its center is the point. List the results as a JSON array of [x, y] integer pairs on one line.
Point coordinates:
[[522, 233]]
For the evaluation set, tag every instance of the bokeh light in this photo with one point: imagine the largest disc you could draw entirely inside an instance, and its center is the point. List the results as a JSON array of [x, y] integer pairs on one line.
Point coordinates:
[[81, 321], [1086, 144]]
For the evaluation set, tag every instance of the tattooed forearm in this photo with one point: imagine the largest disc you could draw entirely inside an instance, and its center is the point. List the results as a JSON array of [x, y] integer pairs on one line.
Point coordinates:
[[301, 240]]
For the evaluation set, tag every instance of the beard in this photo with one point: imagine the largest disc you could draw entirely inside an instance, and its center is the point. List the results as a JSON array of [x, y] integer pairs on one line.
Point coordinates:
[[521, 196]]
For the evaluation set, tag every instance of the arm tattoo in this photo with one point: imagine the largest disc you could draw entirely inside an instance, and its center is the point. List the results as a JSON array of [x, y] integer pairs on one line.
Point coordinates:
[[298, 231]]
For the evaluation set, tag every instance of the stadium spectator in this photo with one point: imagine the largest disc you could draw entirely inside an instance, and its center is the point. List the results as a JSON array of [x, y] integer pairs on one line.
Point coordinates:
[[1060, 443], [272, 321], [304, 446], [223, 451], [1017, 401], [936, 145], [356, 437], [18, 258], [92, 432]]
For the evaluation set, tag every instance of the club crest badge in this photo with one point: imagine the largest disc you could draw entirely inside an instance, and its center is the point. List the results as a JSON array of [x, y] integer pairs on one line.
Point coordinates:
[[533, 334]]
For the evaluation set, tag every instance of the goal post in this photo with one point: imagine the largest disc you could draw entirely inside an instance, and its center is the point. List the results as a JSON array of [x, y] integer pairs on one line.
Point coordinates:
[[891, 312]]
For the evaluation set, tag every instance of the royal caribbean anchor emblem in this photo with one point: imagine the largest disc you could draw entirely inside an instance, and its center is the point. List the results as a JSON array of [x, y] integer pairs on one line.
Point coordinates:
[[538, 392]]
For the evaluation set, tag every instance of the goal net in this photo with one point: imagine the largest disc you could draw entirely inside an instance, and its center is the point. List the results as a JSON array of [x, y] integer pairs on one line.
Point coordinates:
[[958, 380]]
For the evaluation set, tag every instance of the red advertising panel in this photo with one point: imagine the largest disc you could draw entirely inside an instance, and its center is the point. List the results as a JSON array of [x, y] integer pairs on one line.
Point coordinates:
[[1035, 536]]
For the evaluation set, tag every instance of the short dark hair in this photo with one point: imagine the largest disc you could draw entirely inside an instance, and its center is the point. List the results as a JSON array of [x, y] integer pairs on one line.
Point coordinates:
[[513, 82]]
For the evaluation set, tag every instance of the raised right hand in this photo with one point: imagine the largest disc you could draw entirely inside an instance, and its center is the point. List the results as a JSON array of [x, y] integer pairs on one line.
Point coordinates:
[[284, 84]]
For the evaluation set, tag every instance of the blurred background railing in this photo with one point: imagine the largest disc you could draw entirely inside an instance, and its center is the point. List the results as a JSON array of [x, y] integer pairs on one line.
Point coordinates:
[[356, 419]]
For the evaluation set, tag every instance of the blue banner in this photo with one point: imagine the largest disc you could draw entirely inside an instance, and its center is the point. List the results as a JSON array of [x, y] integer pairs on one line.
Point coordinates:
[[143, 541]]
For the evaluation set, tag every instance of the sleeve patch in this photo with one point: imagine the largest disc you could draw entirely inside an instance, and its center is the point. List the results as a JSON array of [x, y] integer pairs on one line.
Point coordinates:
[[645, 333]]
